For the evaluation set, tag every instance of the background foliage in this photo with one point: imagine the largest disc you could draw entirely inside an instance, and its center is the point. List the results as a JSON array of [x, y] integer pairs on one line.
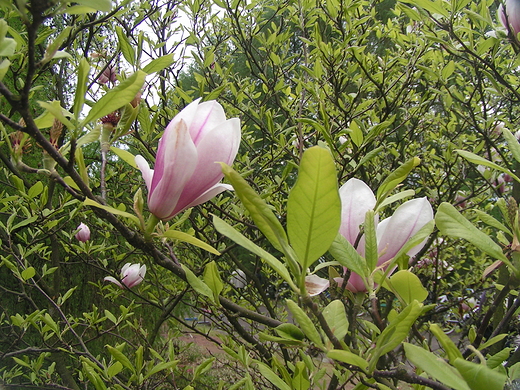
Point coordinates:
[[375, 82]]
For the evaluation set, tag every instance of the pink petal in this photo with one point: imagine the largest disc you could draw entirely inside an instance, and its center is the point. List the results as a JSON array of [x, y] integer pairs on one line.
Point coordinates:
[[356, 199], [219, 145], [355, 284], [113, 280], [209, 115], [208, 195], [175, 164], [407, 220], [147, 173]]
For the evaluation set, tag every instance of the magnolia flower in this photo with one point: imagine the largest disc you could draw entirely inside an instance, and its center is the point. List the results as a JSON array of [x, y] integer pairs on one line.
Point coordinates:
[[131, 275], [315, 285], [392, 233], [83, 233], [186, 172], [510, 16]]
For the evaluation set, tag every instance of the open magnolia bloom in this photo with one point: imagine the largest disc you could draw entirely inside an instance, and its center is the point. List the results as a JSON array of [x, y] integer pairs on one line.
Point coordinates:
[[186, 172], [131, 275], [392, 233]]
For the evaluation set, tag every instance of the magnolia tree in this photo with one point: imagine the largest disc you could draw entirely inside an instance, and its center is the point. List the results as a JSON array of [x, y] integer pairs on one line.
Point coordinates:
[[345, 216]]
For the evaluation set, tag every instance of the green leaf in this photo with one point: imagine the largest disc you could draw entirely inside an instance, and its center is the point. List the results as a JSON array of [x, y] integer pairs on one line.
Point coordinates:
[[348, 357], [289, 331], [512, 142], [336, 317], [345, 254], [197, 284], [160, 367], [35, 190], [396, 332], [125, 46], [28, 273], [300, 379], [407, 285], [81, 87], [435, 367], [203, 367], [212, 279], [395, 198], [446, 343], [90, 202], [261, 213], [492, 341], [120, 357], [124, 155], [114, 369], [23, 223], [185, 237], [491, 221], [116, 97], [314, 206], [471, 157], [230, 232], [100, 5], [371, 255], [395, 178], [58, 112], [305, 323], [479, 376], [356, 134], [451, 223], [272, 377], [159, 64]]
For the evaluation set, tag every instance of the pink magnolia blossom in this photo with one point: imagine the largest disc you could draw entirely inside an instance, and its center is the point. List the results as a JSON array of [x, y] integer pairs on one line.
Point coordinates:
[[510, 15], [83, 233], [131, 275], [392, 233], [186, 172]]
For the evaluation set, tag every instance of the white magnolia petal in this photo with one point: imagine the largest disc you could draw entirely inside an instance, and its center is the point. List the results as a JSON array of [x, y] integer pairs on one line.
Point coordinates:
[[113, 280], [315, 285], [356, 199]]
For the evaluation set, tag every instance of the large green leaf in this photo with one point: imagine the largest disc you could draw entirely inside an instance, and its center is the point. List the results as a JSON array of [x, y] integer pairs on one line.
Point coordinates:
[[81, 87], [407, 285], [447, 344], [348, 357], [336, 317], [100, 5], [435, 367], [314, 206], [261, 213], [452, 223], [159, 64], [479, 376], [306, 325], [116, 97], [471, 157]]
